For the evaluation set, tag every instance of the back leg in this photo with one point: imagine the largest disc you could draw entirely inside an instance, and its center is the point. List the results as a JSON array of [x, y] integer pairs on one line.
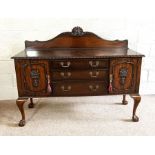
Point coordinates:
[[31, 104], [124, 101]]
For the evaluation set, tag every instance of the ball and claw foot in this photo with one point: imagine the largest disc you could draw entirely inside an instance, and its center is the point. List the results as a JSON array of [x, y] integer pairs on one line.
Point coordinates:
[[21, 123], [31, 105], [135, 118], [124, 102]]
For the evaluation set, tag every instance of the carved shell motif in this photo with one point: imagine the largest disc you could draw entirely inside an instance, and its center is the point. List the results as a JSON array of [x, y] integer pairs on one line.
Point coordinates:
[[77, 31]]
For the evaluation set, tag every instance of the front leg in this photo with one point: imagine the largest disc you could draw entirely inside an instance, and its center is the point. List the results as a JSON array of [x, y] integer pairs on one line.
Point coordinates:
[[20, 104], [137, 99]]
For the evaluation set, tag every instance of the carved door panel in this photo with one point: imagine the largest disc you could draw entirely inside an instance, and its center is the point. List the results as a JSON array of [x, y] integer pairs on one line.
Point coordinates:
[[34, 77], [123, 75]]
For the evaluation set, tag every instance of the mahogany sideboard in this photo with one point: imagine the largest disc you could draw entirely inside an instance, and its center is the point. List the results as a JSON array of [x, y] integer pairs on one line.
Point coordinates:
[[77, 63]]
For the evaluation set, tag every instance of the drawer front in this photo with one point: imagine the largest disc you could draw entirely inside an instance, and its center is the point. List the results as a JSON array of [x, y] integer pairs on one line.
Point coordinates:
[[79, 88], [80, 75], [80, 64]]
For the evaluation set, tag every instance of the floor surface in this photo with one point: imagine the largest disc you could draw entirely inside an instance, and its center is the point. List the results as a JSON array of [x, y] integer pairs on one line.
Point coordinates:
[[85, 116]]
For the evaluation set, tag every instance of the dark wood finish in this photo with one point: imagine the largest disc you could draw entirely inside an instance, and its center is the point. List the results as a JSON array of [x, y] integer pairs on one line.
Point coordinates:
[[32, 78], [80, 64], [137, 99], [80, 88], [96, 74], [70, 40], [77, 53], [124, 72], [20, 104], [77, 63]]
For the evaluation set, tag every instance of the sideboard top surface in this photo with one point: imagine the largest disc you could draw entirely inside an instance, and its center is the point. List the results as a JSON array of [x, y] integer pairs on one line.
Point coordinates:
[[76, 53], [76, 44]]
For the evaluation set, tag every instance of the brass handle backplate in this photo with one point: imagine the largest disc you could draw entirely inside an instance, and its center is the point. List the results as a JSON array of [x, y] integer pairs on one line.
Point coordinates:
[[65, 89], [65, 65], [93, 88], [94, 63], [94, 74], [65, 75]]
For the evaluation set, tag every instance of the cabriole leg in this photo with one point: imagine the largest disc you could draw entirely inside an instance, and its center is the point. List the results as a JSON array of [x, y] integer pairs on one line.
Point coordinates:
[[20, 104], [124, 101], [31, 104], [137, 99]]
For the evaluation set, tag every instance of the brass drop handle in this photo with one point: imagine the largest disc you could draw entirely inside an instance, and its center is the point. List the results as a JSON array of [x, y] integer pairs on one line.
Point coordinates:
[[68, 88], [93, 88], [110, 82], [94, 75], [49, 87], [65, 65], [65, 75], [94, 63]]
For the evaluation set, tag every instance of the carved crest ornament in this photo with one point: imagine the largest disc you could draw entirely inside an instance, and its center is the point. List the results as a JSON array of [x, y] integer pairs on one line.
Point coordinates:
[[77, 31]]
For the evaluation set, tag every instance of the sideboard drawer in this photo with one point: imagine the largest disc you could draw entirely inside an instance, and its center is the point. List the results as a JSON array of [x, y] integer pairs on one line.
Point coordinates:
[[79, 88], [80, 64], [95, 74]]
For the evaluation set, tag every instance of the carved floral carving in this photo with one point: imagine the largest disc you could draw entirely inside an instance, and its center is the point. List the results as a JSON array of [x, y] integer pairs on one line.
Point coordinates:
[[35, 78], [123, 73]]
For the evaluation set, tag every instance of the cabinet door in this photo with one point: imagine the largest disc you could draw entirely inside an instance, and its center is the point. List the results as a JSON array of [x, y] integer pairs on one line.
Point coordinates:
[[123, 75], [32, 77]]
